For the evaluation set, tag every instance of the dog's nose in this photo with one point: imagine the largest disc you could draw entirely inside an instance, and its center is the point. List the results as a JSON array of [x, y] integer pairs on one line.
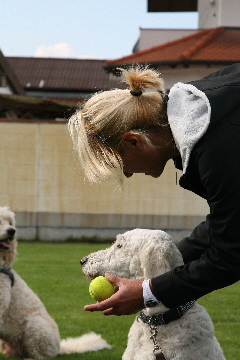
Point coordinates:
[[11, 232], [83, 260]]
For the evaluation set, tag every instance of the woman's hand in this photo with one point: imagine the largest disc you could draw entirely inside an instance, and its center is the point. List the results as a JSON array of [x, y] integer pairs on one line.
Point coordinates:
[[127, 300]]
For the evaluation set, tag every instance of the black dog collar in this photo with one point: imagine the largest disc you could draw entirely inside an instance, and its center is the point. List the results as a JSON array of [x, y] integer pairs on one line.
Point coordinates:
[[166, 317], [9, 273]]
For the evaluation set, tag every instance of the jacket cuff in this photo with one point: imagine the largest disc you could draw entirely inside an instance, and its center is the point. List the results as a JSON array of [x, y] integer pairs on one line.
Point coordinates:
[[166, 290]]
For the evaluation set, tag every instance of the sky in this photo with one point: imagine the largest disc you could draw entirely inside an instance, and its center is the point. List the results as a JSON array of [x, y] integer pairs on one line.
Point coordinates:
[[90, 29]]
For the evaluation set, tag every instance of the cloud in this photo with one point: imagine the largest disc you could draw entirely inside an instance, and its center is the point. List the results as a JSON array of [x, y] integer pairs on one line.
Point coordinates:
[[60, 50]]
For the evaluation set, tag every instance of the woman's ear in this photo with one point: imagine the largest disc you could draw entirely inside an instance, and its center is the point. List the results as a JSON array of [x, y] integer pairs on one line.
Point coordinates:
[[133, 141]]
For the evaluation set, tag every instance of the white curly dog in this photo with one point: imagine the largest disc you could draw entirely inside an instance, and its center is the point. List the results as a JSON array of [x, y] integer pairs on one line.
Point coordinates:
[[143, 254], [26, 328]]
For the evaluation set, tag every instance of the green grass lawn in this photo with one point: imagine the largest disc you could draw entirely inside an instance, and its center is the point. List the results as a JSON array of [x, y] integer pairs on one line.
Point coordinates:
[[53, 271]]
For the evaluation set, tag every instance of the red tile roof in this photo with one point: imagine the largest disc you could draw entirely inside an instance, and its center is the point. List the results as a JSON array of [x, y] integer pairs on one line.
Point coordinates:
[[62, 74], [218, 45]]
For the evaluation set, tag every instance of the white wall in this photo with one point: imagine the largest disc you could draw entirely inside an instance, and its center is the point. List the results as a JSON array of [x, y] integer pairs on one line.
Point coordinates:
[[42, 182], [185, 74], [153, 37]]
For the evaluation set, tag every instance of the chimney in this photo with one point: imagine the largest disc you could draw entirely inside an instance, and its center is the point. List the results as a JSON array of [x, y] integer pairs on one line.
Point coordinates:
[[215, 13]]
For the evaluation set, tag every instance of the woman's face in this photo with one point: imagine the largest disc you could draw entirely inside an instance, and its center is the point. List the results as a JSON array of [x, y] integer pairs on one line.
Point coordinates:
[[138, 161], [139, 157]]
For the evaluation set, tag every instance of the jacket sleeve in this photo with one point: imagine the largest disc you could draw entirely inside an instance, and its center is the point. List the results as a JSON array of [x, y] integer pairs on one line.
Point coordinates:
[[212, 253], [197, 243]]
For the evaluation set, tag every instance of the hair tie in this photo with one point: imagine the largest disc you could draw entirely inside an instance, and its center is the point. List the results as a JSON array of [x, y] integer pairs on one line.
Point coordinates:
[[136, 93]]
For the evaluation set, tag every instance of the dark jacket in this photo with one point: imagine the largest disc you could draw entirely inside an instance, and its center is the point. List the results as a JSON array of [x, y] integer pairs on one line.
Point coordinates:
[[212, 252]]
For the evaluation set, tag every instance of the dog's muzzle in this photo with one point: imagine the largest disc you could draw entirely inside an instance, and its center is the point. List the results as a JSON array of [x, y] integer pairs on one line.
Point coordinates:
[[5, 242], [11, 232], [84, 260]]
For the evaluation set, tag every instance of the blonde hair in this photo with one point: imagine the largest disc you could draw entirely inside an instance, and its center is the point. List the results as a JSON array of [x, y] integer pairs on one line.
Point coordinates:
[[98, 127]]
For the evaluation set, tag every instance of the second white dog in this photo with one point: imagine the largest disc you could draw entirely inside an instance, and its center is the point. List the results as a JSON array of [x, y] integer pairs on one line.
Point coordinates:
[[144, 254], [26, 328]]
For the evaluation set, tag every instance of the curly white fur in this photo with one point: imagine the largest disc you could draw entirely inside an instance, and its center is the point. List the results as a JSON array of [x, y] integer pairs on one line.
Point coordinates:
[[143, 254], [26, 328]]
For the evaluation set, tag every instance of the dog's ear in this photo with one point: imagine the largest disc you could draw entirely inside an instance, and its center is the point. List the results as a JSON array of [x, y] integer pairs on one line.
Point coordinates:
[[159, 256]]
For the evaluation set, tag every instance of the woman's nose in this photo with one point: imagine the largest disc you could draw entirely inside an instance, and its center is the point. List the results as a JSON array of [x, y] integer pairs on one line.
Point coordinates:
[[127, 174]]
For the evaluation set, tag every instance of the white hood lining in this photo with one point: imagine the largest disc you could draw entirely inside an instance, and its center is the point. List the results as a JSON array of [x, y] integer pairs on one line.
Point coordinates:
[[189, 114]]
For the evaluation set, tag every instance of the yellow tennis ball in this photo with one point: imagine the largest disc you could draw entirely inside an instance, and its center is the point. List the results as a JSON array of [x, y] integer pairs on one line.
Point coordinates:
[[100, 288]]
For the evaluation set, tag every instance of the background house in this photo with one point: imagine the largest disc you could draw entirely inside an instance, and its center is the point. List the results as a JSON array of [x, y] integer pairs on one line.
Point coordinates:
[[48, 88], [185, 55], [41, 179], [62, 79]]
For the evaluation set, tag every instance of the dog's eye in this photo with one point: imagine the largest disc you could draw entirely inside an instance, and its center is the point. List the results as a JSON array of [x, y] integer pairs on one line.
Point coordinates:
[[119, 246]]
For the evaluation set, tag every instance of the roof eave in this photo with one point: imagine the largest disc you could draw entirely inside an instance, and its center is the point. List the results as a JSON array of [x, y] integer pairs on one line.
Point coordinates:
[[171, 63]]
